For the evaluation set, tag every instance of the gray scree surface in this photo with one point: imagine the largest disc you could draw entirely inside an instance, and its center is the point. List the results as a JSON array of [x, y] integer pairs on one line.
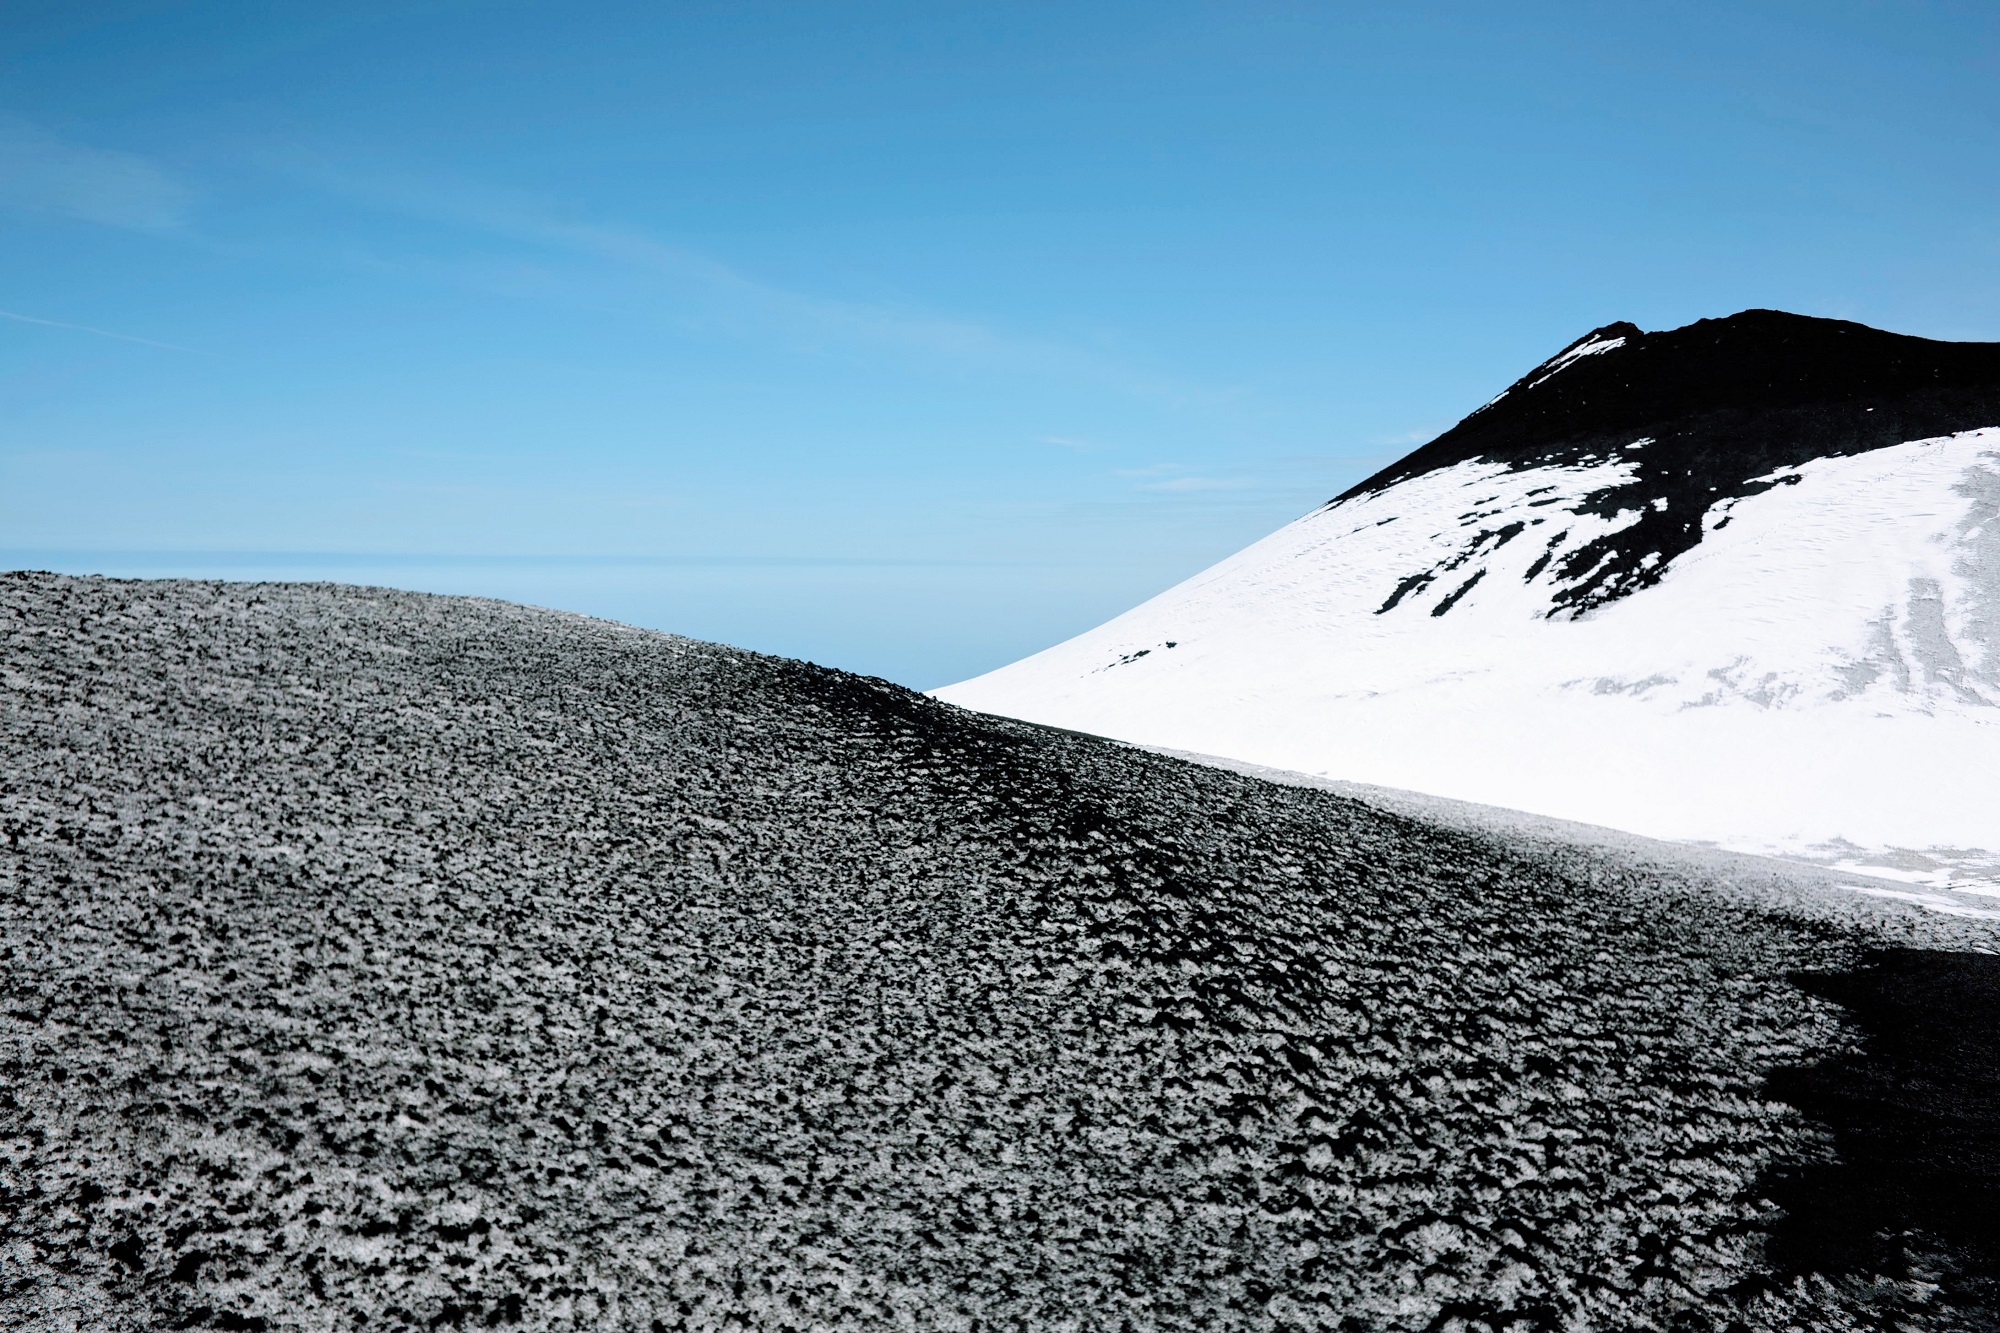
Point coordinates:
[[376, 960]]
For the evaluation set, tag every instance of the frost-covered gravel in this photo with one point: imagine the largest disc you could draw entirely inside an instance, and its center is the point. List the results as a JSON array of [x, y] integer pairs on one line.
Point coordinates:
[[373, 960]]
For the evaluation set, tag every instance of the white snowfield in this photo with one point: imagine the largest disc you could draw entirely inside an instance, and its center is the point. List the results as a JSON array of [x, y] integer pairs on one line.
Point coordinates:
[[1818, 678]]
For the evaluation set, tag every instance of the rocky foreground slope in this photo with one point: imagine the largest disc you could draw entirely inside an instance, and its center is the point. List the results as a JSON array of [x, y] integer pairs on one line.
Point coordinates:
[[371, 960]]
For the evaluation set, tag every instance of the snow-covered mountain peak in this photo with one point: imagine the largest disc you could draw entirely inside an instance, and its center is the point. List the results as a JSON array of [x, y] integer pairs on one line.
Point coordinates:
[[1707, 416], [1738, 582]]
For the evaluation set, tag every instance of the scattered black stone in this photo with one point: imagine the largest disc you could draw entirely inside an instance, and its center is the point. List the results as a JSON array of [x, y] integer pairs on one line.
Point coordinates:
[[371, 960], [1707, 413]]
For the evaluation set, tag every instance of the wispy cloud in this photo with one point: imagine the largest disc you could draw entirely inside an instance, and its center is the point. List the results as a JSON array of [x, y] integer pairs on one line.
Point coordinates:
[[43, 173], [1082, 446], [1174, 478], [705, 289], [1186, 484], [101, 333]]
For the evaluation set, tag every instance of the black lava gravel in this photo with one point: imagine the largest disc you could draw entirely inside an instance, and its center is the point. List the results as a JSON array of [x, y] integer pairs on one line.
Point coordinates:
[[371, 960]]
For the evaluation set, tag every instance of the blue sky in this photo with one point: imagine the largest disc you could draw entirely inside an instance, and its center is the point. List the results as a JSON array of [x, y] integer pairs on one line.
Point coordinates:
[[906, 338]]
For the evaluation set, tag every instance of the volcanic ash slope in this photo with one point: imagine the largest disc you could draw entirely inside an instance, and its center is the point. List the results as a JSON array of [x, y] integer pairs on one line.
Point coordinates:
[[1737, 583], [373, 960]]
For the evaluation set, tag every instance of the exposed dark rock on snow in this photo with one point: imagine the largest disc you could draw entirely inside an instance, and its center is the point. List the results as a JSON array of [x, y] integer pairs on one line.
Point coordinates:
[[1707, 413], [373, 960]]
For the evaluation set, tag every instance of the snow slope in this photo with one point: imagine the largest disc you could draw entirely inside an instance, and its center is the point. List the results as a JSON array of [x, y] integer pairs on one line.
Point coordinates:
[[1816, 673]]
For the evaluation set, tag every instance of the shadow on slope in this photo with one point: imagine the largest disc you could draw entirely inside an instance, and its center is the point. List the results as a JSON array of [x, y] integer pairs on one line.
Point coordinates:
[[1914, 1189]]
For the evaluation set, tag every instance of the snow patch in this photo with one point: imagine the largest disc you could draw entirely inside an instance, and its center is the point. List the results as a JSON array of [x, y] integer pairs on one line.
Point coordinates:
[[1588, 347]]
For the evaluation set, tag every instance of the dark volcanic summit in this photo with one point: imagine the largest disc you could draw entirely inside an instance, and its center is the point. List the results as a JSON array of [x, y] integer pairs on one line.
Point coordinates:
[[371, 960], [1706, 414]]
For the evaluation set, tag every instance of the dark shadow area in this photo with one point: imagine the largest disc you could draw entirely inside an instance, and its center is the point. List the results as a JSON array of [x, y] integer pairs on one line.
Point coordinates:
[[1914, 1191]]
